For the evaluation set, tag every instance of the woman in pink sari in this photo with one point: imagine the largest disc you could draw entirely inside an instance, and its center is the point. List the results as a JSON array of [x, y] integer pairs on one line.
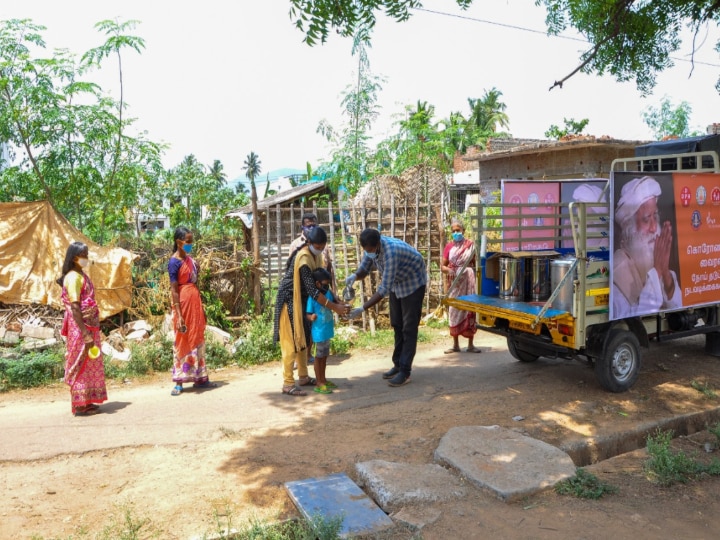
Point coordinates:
[[84, 372], [188, 317], [458, 252]]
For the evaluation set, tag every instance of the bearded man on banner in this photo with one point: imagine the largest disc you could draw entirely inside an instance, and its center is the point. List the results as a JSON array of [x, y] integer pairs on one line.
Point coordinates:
[[642, 277]]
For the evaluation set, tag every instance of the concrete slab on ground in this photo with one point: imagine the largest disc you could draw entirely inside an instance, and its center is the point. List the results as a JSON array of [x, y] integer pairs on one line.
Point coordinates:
[[394, 485], [507, 463]]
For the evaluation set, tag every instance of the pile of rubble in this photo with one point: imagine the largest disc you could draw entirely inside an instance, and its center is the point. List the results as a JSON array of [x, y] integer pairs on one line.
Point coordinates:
[[34, 332]]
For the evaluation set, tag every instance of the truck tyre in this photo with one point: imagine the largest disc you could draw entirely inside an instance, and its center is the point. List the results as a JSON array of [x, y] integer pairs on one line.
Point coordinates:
[[519, 354], [618, 367]]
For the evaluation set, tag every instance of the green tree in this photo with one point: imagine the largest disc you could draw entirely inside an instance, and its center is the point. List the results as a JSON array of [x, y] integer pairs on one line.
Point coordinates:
[[217, 173], [72, 139], [350, 155], [253, 167], [629, 39], [572, 126], [669, 121], [487, 114]]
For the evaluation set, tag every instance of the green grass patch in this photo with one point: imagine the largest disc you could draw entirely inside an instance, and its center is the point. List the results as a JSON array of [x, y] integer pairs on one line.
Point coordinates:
[[32, 369], [257, 342], [704, 388], [667, 467], [584, 485]]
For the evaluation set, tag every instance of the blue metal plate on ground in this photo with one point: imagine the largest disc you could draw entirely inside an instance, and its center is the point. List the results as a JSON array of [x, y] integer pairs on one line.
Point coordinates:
[[337, 495]]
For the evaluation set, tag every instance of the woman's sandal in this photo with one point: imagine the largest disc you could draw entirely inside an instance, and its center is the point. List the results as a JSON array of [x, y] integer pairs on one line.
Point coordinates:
[[176, 391], [307, 381], [206, 384], [293, 391], [323, 389], [85, 411]]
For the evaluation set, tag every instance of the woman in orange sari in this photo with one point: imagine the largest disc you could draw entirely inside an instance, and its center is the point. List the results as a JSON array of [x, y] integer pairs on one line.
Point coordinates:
[[457, 253], [188, 317], [84, 372]]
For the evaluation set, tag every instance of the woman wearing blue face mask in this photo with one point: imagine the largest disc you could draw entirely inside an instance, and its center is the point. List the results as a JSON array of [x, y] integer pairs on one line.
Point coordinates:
[[188, 316], [458, 253], [291, 328]]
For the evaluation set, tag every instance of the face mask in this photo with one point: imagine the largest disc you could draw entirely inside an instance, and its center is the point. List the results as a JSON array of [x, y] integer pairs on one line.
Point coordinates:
[[187, 248], [83, 262], [371, 255], [457, 236], [324, 287], [315, 251]]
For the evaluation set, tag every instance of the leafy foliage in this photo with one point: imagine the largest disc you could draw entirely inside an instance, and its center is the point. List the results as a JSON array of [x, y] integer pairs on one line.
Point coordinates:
[[71, 139], [667, 121], [667, 467], [584, 485], [257, 342], [633, 41], [349, 164], [572, 127], [32, 369]]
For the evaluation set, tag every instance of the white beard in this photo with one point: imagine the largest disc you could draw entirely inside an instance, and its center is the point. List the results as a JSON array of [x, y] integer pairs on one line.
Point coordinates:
[[641, 248]]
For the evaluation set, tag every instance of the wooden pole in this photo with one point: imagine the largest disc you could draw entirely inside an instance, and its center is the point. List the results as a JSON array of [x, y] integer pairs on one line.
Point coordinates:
[[392, 215], [278, 224], [268, 271], [429, 249], [331, 232], [405, 221]]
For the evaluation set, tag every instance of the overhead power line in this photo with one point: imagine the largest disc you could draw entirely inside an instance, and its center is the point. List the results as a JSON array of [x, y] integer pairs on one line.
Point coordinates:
[[533, 31]]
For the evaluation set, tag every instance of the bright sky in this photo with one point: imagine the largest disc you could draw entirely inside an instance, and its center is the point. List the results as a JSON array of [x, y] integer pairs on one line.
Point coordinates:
[[220, 79]]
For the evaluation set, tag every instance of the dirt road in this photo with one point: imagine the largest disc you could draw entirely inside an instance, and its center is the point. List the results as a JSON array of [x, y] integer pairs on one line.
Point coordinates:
[[195, 463]]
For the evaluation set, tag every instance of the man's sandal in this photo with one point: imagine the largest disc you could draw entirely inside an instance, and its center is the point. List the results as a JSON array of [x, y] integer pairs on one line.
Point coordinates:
[[293, 391], [323, 389], [307, 381]]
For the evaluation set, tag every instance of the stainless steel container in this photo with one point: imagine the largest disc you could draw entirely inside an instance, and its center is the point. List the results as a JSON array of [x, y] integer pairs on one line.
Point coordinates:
[[540, 288], [558, 269], [512, 277]]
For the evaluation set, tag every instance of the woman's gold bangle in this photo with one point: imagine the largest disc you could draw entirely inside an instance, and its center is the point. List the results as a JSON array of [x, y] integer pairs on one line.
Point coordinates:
[[326, 302]]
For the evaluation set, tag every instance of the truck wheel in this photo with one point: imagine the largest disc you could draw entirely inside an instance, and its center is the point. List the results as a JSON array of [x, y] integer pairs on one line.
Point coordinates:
[[519, 354], [619, 366]]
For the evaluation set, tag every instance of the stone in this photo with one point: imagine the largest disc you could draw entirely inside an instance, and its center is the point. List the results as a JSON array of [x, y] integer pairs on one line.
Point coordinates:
[[37, 332], [417, 517], [394, 485], [31, 344], [11, 337], [137, 335], [504, 462]]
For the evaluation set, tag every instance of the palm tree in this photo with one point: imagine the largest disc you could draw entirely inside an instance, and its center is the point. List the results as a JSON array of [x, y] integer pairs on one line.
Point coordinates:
[[217, 173], [488, 113], [252, 168]]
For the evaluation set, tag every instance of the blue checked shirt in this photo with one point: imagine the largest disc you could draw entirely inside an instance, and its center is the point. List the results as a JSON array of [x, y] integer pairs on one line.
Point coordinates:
[[401, 267]]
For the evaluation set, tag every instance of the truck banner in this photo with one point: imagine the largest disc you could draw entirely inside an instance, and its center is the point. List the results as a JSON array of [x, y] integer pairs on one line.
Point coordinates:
[[587, 191], [538, 222], [665, 235]]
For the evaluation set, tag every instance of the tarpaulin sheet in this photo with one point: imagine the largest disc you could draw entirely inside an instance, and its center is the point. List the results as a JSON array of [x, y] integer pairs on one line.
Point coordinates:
[[33, 241]]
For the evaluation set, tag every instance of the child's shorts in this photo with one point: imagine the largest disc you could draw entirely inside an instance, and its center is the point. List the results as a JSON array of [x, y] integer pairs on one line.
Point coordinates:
[[322, 349]]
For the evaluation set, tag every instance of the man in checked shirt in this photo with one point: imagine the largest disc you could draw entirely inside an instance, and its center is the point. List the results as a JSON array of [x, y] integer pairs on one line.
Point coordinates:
[[404, 277]]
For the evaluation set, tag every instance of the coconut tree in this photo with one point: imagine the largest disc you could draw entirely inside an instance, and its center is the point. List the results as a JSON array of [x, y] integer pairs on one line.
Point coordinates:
[[216, 171], [252, 168]]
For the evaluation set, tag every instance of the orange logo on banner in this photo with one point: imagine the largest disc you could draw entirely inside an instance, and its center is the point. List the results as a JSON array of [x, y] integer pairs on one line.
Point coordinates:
[[698, 237]]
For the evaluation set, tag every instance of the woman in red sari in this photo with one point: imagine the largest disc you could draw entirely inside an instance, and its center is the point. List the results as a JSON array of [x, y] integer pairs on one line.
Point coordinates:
[[458, 252], [84, 372], [188, 317]]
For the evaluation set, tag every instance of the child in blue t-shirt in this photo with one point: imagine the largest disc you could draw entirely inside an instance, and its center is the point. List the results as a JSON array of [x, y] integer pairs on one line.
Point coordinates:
[[323, 329]]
